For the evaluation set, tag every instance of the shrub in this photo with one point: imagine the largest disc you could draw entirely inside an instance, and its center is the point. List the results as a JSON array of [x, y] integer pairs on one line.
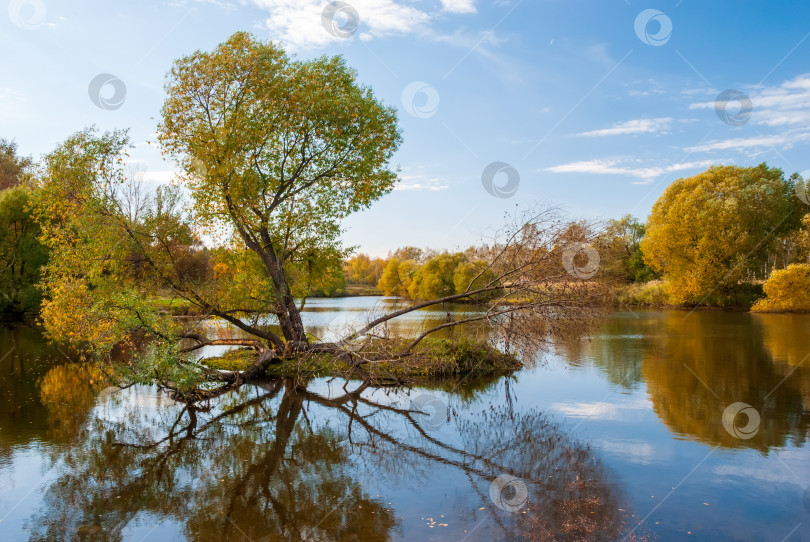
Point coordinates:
[[649, 294], [787, 290]]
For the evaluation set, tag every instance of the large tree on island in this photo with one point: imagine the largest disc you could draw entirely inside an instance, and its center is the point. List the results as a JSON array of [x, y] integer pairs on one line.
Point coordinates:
[[276, 153]]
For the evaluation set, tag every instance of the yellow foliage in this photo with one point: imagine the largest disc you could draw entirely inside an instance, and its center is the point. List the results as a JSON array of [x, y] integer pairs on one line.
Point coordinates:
[[710, 232], [787, 290]]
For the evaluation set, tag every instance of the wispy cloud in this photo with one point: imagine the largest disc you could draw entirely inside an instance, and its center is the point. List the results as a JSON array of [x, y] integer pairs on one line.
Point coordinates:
[[160, 177], [786, 104], [459, 6], [636, 451], [298, 23], [421, 182], [603, 411], [638, 126], [755, 143], [646, 174]]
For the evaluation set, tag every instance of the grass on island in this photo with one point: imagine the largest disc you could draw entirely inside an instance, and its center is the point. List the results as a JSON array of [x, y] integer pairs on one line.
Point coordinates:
[[432, 359]]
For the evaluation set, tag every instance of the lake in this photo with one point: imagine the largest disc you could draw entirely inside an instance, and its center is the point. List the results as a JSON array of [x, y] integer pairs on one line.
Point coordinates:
[[628, 434]]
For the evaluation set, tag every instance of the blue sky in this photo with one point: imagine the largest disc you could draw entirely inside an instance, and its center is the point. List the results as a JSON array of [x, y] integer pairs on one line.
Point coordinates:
[[597, 106]]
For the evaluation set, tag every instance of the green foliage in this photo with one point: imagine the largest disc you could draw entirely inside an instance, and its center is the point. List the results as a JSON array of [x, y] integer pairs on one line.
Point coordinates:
[[107, 258], [442, 275], [161, 363], [294, 145], [317, 272], [619, 246], [468, 356], [21, 254], [436, 277], [787, 290], [470, 275], [277, 152], [390, 283]]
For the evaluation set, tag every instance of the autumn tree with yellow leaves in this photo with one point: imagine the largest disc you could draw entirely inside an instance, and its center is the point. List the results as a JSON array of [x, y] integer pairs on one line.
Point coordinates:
[[709, 233]]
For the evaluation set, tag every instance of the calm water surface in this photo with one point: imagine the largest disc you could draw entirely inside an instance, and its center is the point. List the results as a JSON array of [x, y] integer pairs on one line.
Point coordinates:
[[614, 435]]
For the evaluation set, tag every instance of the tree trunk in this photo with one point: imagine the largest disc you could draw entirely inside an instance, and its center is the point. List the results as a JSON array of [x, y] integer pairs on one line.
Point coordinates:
[[289, 318]]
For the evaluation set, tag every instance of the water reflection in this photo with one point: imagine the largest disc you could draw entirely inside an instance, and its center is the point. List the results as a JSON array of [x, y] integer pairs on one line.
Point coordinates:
[[286, 462], [294, 460], [25, 359], [696, 365]]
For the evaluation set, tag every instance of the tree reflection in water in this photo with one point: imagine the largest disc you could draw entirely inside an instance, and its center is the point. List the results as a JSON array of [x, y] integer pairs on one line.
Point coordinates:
[[695, 365], [281, 462]]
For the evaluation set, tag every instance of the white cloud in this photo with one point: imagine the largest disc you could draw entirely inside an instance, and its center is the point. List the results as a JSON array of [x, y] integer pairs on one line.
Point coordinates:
[[298, 24], [617, 167], [635, 451], [603, 411], [749, 144], [161, 177], [459, 6], [420, 182], [709, 91], [638, 126], [782, 105]]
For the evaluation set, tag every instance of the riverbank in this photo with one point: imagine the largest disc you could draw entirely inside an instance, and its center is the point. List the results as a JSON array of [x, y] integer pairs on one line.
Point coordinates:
[[655, 295]]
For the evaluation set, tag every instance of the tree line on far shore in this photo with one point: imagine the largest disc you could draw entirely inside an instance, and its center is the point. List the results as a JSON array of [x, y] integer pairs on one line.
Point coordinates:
[[729, 236]]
